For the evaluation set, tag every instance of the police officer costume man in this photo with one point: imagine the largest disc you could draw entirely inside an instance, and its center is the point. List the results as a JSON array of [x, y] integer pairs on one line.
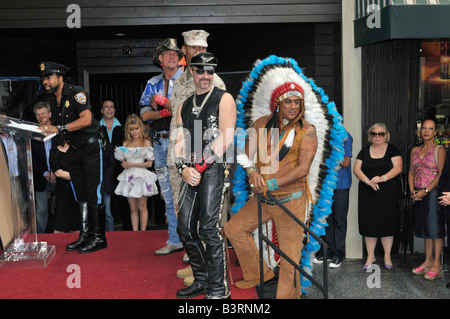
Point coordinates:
[[73, 119]]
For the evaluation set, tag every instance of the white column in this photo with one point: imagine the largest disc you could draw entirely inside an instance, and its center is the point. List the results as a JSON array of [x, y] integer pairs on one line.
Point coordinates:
[[351, 97]]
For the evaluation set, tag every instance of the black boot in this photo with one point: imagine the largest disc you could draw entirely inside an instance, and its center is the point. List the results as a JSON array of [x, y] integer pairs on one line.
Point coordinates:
[[187, 231], [98, 239], [85, 228], [192, 291]]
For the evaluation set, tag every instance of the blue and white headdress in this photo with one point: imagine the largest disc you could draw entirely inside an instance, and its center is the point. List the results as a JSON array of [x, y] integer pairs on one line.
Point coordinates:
[[254, 101]]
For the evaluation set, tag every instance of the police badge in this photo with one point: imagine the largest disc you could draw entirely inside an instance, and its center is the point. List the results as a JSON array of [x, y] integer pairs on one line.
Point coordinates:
[[80, 98]]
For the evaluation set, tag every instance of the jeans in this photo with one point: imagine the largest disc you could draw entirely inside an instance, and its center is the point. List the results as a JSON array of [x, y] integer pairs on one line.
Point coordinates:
[[166, 190], [109, 225], [41, 203], [337, 224]]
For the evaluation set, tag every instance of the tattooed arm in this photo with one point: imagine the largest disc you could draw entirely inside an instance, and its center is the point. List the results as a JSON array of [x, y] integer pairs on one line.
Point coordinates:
[[306, 155]]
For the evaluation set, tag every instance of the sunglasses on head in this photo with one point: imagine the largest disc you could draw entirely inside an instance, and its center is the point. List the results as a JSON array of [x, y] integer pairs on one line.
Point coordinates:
[[202, 71], [377, 133]]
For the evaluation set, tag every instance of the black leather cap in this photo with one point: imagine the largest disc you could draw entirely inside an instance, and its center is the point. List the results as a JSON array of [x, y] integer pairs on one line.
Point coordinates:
[[204, 59]]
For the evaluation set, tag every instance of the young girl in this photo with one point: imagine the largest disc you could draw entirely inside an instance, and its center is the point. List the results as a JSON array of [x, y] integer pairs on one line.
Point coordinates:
[[136, 182]]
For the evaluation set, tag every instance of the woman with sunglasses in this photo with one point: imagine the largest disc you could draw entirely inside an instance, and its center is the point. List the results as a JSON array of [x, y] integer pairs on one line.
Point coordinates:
[[376, 166], [427, 162]]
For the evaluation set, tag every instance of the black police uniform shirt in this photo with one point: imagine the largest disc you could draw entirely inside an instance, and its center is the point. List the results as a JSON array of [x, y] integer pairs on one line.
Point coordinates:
[[74, 100]]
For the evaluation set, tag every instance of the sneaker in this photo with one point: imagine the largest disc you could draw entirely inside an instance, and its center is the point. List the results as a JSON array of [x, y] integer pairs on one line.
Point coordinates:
[[168, 249], [318, 260], [335, 263]]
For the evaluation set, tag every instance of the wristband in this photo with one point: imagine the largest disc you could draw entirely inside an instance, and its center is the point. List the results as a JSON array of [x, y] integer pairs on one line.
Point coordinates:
[[272, 184], [160, 99], [385, 178], [62, 128], [165, 113], [206, 161], [251, 169], [180, 164]]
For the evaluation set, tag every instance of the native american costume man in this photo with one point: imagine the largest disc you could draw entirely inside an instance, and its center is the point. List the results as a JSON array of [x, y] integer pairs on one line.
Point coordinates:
[[280, 150]]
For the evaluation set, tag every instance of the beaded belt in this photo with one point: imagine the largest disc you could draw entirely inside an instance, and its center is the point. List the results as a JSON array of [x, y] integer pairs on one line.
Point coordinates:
[[282, 200], [163, 135]]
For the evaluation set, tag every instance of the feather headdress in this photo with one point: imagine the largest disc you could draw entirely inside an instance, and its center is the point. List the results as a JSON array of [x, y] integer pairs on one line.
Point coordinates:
[[255, 101]]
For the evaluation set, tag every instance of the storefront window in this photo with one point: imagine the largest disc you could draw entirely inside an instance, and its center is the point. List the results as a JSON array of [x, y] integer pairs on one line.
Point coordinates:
[[435, 86]]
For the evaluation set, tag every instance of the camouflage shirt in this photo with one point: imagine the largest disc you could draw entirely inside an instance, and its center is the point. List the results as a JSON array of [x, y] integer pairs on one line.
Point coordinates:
[[184, 87]]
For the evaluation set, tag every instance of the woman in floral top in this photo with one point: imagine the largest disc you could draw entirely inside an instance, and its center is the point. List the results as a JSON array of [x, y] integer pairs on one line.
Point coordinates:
[[427, 161]]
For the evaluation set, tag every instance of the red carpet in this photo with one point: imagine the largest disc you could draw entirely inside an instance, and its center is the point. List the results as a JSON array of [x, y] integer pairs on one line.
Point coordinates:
[[127, 269]]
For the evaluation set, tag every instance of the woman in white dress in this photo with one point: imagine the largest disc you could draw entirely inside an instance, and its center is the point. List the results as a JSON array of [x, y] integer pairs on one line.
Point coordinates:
[[136, 182]]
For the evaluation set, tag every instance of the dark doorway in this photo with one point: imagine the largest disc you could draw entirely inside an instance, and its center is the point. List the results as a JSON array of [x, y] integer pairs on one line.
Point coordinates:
[[124, 89]]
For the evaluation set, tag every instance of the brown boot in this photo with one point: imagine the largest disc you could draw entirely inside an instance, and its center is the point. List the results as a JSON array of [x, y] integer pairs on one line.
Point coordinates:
[[185, 272], [245, 284], [188, 281]]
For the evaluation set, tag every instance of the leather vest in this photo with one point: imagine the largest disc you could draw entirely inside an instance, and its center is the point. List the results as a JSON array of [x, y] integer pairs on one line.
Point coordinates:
[[204, 124]]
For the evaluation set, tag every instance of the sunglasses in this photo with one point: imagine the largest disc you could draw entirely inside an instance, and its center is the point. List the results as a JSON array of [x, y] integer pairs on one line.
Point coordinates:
[[377, 133], [202, 71]]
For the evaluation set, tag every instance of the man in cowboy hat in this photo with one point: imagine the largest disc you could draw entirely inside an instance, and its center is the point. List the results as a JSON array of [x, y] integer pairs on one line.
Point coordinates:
[[156, 108]]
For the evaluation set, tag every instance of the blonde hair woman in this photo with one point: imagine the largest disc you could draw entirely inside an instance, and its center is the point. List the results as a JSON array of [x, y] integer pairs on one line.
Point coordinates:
[[136, 182], [376, 166]]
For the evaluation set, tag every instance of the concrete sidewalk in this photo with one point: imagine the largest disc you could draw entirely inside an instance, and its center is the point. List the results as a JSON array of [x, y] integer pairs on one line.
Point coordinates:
[[350, 281]]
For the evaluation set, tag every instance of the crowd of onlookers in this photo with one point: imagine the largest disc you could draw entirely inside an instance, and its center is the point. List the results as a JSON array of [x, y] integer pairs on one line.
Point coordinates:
[[377, 166]]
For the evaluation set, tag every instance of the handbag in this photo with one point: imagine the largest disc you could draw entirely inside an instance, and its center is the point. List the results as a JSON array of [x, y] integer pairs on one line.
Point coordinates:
[[52, 204], [403, 188]]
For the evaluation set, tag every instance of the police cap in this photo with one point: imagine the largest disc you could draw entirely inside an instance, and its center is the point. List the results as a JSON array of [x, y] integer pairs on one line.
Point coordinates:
[[204, 60], [48, 68]]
